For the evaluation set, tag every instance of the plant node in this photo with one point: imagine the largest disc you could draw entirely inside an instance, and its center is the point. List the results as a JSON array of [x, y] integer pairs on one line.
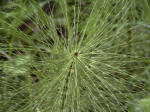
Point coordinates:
[[76, 54]]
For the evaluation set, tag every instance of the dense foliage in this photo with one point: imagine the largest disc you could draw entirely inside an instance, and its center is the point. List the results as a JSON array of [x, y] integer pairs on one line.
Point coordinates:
[[75, 56]]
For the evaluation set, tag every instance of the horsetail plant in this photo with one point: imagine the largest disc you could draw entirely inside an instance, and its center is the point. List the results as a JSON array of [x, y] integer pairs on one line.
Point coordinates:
[[72, 56]]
